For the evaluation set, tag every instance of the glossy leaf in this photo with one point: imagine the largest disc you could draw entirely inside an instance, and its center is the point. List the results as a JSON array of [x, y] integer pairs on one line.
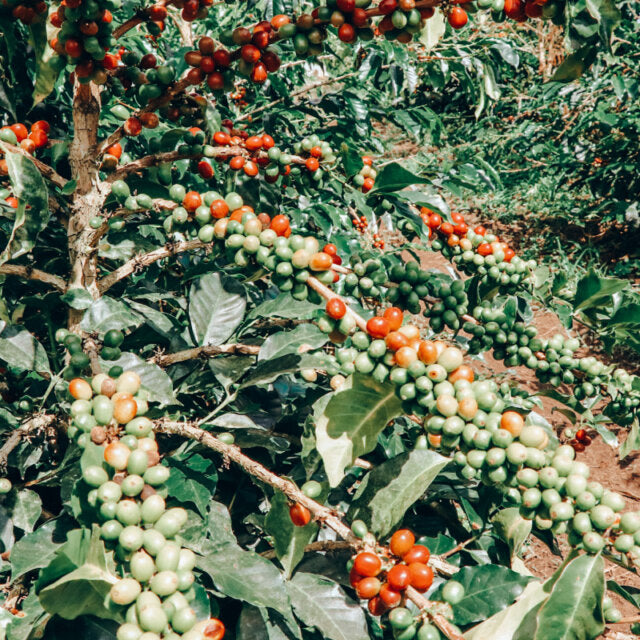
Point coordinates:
[[321, 603], [32, 214], [18, 348], [289, 540], [390, 489], [348, 422], [487, 589], [216, 308]]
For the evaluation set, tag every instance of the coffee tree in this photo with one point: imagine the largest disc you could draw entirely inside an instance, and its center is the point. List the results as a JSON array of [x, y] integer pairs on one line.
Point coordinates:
[[224, 413]]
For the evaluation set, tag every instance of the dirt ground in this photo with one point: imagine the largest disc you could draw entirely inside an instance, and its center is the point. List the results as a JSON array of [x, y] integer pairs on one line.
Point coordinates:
[[623, 477]]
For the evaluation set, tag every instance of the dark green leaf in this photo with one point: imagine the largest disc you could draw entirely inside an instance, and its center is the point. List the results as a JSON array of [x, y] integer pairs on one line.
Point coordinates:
[[32, 215], [348, 422], [321, 603], [387, 492], [487, 589]]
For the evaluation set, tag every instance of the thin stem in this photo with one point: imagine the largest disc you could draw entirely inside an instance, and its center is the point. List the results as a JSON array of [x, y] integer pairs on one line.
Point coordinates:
[[34, 424], [34, 274], [48, 172], [146, 259], [166, 360]]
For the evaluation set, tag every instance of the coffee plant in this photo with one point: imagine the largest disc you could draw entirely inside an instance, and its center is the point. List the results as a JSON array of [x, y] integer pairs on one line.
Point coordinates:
[[236, 402]]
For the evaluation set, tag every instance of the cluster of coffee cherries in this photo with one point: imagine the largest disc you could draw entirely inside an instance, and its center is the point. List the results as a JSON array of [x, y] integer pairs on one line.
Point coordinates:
[[27, 11], [255, 59], [478, 252], [253, 157], [451, 306], [215, 215], [366, 278], [128, 493], [78, 359], [193, 9], [579, 439], [142, 78], [382, 576], [314, 152], [36, 137], [409, 286], [366, 177], [494, 445], [402, 20], [84, 37]]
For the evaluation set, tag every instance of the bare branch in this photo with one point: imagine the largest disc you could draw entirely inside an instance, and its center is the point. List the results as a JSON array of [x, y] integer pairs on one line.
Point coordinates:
[[166, 360], [48, 172], [146, 259], [34, 274], [31, 426], [319, 545], [325, 515]]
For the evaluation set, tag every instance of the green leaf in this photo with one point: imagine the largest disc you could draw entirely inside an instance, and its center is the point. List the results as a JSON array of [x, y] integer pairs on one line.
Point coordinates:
[[387, 492], [283, 306], [216, 308], [84, 590], [268, 370], [632, 441], [321, 603], [348, 422], [18, 348], [503, 625], [574, 608], [193, 479], [32, 215], [32, 624], [153, 378], [297, 340], [394, 177], [247, 576], [26, 507], [77, 298], [488, 588], [592, 290], [575, 64], [46, 75], [35, 550], [108, 313], [509, 525], [254, 623], [433, 30], [289, 541]]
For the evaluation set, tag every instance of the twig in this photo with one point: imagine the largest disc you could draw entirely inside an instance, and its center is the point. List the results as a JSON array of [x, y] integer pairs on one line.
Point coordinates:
[[319, 545], [48, 172], [328, 294], [34, 424], [323, 514], [34, 274], [166, 360], [146, 259]]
